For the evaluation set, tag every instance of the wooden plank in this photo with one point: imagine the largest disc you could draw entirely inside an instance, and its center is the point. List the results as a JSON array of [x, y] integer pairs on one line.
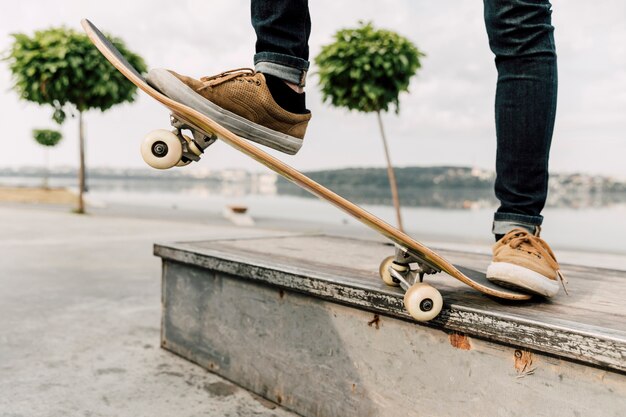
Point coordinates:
[[345, 271], [323, 359]]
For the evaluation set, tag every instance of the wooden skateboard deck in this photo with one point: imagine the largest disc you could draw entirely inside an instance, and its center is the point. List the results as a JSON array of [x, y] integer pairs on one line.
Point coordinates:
[[474, 279]]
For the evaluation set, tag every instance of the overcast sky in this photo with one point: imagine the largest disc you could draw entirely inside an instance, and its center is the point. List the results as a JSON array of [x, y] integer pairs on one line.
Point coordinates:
[[446, 119]]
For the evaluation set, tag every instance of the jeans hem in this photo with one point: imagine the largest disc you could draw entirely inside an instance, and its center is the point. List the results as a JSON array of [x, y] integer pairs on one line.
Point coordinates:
[[505, 222], [286, 67], [521, 218]]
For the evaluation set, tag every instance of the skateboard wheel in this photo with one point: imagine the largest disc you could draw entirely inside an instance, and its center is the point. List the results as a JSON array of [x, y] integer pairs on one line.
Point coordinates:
[[423, 302], [183, 163], [161, 149], [384, 273]]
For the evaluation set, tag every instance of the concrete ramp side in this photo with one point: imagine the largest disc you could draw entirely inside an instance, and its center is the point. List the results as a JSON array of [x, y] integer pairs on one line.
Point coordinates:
[[304, 321]]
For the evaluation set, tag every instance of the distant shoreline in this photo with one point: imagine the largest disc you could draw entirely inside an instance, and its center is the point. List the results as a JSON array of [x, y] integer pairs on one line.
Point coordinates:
[[449, 187]]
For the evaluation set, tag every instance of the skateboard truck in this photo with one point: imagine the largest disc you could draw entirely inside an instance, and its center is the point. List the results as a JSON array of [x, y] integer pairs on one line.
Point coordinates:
[[192, 148], [201, 140], [163, 149], [407, 270]]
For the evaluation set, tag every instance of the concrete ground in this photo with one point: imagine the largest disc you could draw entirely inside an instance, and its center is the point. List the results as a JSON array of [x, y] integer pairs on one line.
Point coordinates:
[[80, 313], [80, 317]]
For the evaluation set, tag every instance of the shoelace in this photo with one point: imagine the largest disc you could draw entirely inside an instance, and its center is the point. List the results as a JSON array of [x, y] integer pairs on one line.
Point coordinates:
[[520, 238], [215, 80]]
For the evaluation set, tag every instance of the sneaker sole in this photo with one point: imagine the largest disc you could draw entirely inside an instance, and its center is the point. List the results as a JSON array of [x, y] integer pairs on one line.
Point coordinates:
[[175, 89], [520, 278]]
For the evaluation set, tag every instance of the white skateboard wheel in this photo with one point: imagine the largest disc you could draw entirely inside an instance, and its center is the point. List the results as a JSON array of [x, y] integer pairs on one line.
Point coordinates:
[[423, 302], [161, 149], [384, 273]]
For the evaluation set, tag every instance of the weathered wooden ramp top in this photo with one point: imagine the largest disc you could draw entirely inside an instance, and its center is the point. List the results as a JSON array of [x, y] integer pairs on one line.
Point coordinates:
[[306, 322]]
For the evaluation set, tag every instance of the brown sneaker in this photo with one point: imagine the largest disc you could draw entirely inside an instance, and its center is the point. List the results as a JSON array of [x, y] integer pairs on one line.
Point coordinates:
[[526, 262], [240, 101]]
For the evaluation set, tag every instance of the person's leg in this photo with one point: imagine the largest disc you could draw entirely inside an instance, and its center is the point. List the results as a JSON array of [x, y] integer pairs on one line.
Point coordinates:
[[266, 105], [282, 48], [521, 37]]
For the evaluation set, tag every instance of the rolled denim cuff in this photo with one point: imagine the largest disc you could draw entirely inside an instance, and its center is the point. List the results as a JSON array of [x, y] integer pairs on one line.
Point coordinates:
[[286, 67], [505, 222]]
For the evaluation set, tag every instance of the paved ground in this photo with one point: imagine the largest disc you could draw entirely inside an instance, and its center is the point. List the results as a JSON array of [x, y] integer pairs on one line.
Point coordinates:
[[80, 313], [80, 317]]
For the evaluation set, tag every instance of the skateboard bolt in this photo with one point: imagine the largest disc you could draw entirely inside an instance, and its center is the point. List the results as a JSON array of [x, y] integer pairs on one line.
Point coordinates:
[[159, 149], [426, 305]]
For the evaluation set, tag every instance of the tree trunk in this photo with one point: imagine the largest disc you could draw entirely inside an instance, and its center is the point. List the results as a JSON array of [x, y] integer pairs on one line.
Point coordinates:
[[391, 174], [81, 169], [46, 172]]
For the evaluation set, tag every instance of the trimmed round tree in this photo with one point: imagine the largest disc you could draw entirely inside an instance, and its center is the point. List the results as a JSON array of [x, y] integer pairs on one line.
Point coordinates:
[[47, 138], [59, 67], [365, 69]]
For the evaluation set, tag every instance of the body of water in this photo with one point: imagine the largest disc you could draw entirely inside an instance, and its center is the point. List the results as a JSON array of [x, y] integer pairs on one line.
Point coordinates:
[[597, 229]]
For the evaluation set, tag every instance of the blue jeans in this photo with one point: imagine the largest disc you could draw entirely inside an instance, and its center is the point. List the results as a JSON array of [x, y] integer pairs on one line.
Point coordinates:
[[521, 37], [282, 29]]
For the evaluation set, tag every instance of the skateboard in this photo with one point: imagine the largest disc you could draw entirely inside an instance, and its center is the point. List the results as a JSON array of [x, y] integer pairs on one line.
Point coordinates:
[[406, 269]]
